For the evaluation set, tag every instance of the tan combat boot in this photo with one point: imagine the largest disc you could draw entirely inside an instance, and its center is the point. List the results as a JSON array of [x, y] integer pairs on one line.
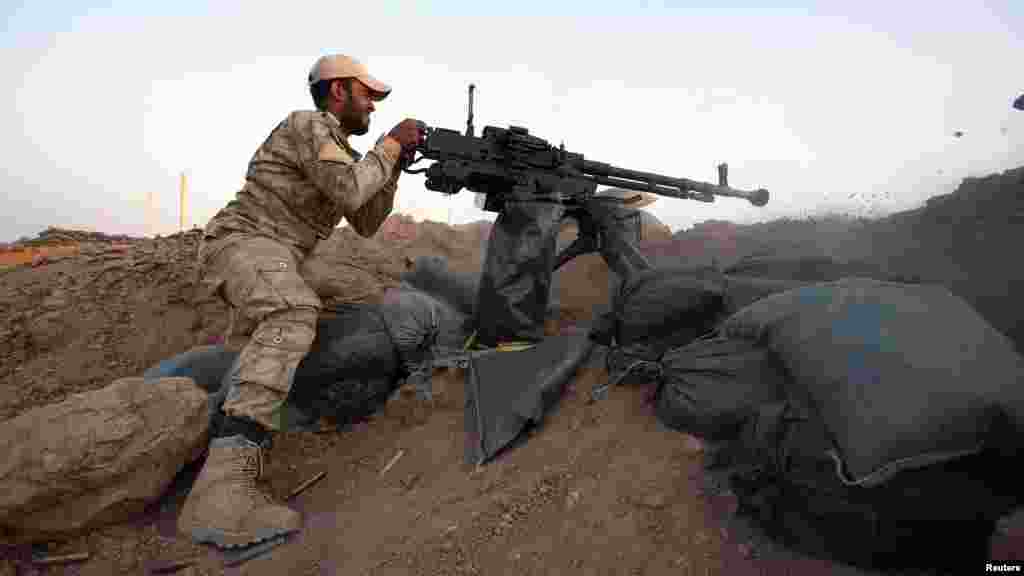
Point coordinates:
[[225, 507]]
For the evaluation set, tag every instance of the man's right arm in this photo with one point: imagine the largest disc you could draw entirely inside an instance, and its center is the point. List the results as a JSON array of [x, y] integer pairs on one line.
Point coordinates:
[[334, 172]]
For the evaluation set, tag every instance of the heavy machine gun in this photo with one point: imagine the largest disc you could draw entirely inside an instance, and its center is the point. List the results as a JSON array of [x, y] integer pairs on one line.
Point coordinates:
[[533, 186]]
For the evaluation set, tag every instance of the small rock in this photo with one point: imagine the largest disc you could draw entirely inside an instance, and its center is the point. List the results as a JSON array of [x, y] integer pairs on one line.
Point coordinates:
[[572, 499], [129, 556], [655, 500]]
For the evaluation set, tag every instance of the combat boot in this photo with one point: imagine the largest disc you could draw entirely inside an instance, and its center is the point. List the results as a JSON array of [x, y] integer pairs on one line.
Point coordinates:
[[225, 507]]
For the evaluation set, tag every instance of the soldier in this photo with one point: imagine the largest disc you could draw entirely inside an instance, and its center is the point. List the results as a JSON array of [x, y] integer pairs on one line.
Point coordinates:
[[300, 183]]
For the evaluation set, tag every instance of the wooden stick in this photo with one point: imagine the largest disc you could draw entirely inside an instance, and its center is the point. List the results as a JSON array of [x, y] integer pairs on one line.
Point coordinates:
[[173, 566], [302, 487], [63, 558], [392, 462]]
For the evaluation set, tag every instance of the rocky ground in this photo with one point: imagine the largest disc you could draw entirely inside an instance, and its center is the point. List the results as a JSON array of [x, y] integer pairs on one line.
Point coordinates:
[[601, 489]]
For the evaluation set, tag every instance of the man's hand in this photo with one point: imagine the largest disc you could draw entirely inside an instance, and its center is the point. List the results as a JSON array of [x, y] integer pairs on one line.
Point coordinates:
[[409, 134]]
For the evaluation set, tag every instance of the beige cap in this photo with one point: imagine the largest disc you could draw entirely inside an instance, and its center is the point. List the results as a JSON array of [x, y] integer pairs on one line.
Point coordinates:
[[340, 66], [644, 199]]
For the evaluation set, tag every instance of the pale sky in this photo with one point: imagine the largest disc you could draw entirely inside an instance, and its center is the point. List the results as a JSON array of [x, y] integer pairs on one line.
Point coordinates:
[[832, 106]]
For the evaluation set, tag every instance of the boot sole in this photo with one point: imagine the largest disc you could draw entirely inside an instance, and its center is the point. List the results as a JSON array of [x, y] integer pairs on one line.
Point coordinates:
[[228, 542]]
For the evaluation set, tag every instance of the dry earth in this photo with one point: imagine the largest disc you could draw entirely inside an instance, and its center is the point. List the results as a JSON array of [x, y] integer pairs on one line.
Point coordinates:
[[602, 488]]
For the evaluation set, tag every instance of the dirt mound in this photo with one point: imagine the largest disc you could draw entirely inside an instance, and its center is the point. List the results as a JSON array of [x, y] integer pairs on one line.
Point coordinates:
[[580, 497], [115, 308], [53, 236]]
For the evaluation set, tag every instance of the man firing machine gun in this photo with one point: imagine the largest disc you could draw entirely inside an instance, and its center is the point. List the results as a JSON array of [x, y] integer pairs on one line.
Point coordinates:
[[534, 186]]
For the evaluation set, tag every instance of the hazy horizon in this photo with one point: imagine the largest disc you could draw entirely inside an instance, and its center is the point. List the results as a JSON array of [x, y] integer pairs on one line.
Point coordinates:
[[832, 108]]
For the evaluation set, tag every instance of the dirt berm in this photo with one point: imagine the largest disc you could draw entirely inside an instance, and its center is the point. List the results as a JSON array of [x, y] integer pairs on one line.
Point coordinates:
[[601, 489]]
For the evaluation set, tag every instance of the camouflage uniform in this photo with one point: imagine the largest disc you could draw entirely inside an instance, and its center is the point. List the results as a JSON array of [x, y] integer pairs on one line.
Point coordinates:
[[300, 183]]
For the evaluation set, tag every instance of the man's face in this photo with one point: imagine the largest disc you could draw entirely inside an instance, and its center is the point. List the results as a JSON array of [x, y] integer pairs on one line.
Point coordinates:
[[356, 107]]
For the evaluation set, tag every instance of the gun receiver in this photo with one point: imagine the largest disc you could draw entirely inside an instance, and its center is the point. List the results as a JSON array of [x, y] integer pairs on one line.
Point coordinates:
[[512, 162]]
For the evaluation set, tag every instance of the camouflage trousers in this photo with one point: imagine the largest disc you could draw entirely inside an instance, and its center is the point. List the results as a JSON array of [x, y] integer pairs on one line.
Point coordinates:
[[273, 320]]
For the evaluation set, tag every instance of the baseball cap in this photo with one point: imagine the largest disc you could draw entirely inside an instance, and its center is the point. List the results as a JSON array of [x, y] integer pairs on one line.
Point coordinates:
[[341, 66]]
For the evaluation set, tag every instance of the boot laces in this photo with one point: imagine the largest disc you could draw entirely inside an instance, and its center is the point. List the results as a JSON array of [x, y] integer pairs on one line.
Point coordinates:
[[250, 470]]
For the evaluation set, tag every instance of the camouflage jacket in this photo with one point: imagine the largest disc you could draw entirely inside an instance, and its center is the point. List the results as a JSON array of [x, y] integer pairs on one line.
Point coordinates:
[[305, 178]]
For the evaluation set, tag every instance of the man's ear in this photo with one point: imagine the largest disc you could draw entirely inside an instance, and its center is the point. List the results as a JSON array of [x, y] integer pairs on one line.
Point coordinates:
[[337, 91]]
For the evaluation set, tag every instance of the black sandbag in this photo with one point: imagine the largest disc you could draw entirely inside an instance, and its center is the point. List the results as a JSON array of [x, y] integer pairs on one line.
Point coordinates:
[[738, 292], [205, 365], [712, 386], [903, 375], [350, 371], [668, 307], [742, 291], [811, 269], [432, 275], [352, 367], [417, 322], [783, 472], [515, 285]]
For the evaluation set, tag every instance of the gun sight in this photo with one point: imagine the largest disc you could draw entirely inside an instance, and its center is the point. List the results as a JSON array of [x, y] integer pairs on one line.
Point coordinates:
[[469, 121]]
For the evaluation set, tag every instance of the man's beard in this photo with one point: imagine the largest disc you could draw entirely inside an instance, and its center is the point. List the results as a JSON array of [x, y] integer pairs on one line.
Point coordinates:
[[356, 124], [353, 122]]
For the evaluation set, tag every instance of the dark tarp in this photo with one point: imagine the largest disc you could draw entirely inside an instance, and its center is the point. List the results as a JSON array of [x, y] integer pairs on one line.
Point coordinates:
[[507, 392], [903, 375], [515, 284]]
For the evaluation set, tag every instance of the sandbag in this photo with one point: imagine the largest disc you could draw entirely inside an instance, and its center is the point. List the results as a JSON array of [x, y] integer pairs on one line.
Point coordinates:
[[432, 275], [737, 293], [418, 321], [811, 269], [742, 291], [98, 457], [349, 372], [782, 470], [205, 365], [666, 307], [352, 367], [712, 386], [903, 375]]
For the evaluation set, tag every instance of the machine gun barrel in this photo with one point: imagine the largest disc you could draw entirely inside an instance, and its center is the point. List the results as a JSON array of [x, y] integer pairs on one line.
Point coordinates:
[[606, 174]]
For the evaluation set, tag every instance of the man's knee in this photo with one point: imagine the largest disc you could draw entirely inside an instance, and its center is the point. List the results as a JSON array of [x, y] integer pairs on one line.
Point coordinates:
[[291, 328], [287, 332], [265, 367]]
